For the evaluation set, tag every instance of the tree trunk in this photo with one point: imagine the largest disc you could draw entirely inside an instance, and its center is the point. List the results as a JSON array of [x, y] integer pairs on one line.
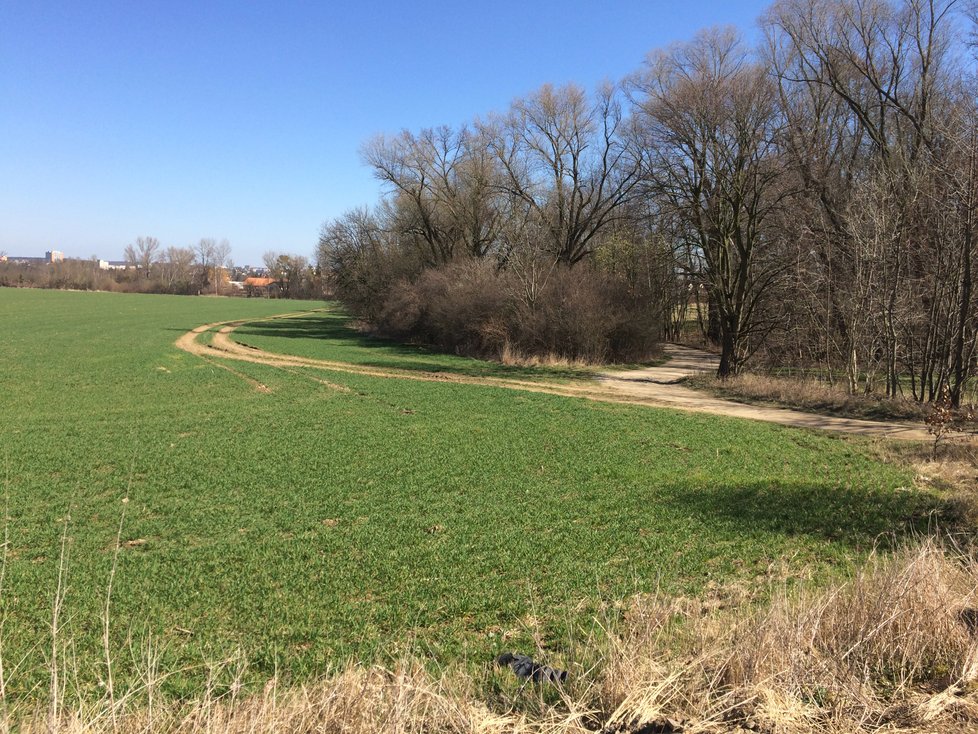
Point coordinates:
[[960, 363], [713, 330], [729, 364]]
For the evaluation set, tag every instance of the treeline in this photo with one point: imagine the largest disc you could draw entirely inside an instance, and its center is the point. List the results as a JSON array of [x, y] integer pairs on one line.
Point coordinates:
[[149, 268], [201, 268], [521, 234], [70, 274], [205, 268], [807, 202], [294, 275]]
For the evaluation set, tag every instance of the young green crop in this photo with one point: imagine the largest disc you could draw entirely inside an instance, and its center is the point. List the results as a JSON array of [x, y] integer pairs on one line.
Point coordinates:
[[308, 523], [327, 335]]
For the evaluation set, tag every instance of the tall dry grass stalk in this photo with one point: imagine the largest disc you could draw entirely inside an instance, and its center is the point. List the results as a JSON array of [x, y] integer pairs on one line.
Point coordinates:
[[896, 646], [59, 651], [4, 558], [107, 607], [513, 357], [403, 699], [893, 648]]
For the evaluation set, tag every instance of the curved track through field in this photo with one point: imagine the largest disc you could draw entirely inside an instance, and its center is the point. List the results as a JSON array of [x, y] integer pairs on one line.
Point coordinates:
[[651, 386]]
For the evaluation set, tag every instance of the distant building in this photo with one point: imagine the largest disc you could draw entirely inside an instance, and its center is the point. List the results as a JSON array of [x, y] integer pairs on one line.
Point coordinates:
[[261, 287], [54, 256]]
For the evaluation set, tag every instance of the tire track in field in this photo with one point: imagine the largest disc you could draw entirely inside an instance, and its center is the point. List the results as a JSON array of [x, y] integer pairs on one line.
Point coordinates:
[[652, 387], [223, 346]]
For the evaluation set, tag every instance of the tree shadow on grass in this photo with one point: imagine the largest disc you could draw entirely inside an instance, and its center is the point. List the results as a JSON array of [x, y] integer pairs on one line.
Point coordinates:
[[331, 326], [852, 516]]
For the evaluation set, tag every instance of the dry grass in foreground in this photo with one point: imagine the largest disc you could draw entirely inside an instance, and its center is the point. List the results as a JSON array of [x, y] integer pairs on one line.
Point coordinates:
[[816, 396], [895, 648], [951, 468]]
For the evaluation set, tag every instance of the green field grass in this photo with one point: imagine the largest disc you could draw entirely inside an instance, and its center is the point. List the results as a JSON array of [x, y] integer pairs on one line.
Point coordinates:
[[309, 525], [327, 335]]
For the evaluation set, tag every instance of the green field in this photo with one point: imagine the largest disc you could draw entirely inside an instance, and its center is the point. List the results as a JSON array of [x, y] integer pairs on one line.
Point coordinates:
[[308, 525], [328, 336]]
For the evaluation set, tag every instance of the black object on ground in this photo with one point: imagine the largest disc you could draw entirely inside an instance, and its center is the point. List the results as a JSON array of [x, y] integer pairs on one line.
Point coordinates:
[[526, 667]]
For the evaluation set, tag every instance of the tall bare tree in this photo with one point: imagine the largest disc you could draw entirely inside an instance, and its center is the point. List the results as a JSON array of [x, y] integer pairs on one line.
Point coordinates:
[[212, 258], [143, 254], [864, 86], [442, 183], [176, 269], [360, 258], [569, 161], [292, 273], [222, 263], [204, 251], [710, 126]]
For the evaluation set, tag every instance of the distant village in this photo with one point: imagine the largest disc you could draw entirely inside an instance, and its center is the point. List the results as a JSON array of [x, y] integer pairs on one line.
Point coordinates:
[[235, 275], [56, 256], [294, 278]]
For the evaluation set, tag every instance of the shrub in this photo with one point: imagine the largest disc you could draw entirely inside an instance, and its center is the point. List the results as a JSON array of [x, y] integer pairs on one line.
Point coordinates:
[[472, 307]]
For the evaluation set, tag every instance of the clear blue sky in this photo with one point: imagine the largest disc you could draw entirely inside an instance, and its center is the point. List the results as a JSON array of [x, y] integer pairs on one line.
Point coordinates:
[[183, 120]]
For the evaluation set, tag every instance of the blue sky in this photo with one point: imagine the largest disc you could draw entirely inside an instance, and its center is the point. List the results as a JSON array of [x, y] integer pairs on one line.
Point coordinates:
[[242, 120]]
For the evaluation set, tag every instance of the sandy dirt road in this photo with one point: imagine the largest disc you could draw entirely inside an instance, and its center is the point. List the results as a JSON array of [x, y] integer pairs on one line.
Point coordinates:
[[662, 386], [651, 386]]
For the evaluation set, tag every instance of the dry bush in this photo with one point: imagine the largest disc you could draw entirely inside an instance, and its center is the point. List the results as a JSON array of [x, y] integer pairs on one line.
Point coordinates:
[[650, 670], [402, 310], [893, 647], [576, 316], [586, 316], [462, 300], [364, 280], [945, 419]]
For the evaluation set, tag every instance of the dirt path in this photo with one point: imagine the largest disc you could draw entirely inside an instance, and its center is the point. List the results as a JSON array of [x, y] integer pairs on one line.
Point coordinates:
[[652, 386], [659, 385]]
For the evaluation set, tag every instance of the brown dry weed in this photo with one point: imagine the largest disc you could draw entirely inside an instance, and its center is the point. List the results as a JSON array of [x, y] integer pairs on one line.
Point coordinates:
[[893, 648]]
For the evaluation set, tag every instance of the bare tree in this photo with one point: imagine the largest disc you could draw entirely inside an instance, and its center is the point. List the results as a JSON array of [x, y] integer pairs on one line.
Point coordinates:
[[360, 257], [176, 269], [710, 126], [292, 272], [204, 252], [442, 186], [143, 254], [865, 88], [884, 60], [270, 261], [569, 161], [221, 255], [212, 257]]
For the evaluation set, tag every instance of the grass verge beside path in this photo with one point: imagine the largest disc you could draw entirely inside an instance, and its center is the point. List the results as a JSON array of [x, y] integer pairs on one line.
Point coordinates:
[[308, 524], [808, 395]]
